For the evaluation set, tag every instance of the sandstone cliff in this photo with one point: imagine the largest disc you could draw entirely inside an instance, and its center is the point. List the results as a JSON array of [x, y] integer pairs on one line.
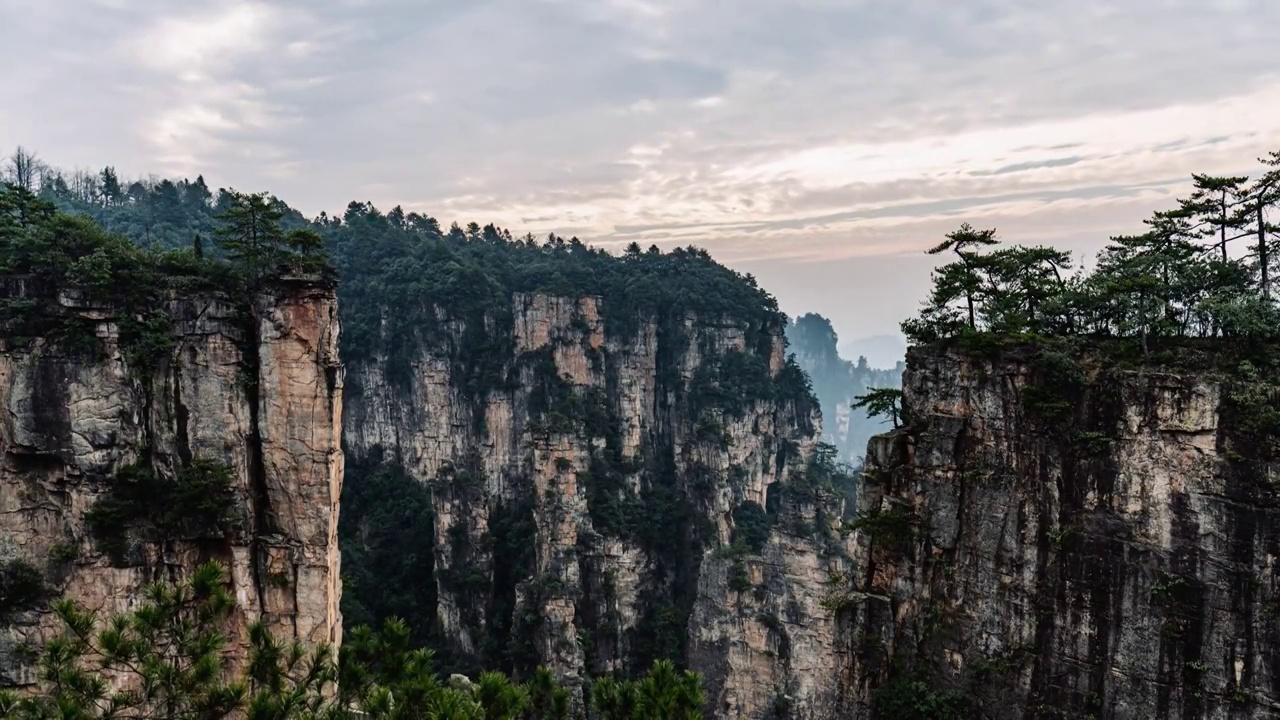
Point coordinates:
[[98, 400], [1053, 537], [608, 491]]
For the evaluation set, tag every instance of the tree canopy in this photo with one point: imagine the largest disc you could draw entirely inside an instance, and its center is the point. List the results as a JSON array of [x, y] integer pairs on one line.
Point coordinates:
[[1179, 278], [168, 659], [404, 275]]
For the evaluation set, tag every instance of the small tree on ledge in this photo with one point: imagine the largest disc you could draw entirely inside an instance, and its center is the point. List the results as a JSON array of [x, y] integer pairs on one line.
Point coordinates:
[[880, 402]]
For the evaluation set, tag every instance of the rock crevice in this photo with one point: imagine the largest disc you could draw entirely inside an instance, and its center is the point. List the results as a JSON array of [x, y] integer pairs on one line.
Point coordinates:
[[257, 392]]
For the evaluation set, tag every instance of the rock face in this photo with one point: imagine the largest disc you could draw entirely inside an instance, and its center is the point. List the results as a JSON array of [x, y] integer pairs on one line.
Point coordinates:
[[1050, 537], [590, 481], [256, 391]]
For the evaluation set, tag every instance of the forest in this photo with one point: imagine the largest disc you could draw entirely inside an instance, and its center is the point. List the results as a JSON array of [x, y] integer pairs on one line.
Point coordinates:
[[172, 646], [129, 245]]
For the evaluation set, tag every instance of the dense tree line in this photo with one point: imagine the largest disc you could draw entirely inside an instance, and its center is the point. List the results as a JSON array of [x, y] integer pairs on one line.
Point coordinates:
[[400, 270], [409, 261], [168, 659], [1205, 268]]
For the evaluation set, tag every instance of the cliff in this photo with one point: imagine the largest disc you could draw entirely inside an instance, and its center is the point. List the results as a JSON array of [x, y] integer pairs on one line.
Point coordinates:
[[134, 447], [1056, 535], [608, 489]]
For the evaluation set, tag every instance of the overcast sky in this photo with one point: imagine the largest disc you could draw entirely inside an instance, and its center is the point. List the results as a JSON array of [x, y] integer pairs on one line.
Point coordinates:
[[819, 144]]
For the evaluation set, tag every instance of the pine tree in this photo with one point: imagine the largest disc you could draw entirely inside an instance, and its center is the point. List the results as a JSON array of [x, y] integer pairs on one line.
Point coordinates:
[[163, 660], [1216, 209], [1263, 196], [547, 699], [965, 242], [250, 233], [111, 190], [881, 402]]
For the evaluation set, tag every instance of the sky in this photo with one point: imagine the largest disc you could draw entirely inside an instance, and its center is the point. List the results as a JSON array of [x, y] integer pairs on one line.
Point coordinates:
[[820, 145]]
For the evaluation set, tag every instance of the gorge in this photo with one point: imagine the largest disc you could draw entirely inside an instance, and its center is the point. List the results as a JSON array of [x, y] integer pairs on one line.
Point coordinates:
[[547, 455]]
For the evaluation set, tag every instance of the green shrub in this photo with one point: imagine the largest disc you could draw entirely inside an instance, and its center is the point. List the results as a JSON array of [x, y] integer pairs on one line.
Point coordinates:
[[22, 587], [915, 700], [894, 527], [198, 502], [751, 526]]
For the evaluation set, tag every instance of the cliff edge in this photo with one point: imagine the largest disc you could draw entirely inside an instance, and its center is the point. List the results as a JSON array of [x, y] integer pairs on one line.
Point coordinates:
[[1054, 535], [136, 445]]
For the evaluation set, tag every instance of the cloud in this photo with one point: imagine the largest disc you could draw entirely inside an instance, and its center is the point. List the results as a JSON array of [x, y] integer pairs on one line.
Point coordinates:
[[785, 135]]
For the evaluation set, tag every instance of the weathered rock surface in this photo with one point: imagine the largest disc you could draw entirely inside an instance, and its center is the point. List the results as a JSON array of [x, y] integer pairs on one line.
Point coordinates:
[[1052, 545], [588, 425], [262, 394]]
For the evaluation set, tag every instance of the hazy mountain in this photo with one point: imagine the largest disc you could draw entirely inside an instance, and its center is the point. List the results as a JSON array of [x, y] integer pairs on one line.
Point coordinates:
[[838, 381], [882, 351]]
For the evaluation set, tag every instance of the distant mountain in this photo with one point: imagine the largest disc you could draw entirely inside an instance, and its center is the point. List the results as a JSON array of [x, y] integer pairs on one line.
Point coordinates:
[[883, 351], [838, 382]]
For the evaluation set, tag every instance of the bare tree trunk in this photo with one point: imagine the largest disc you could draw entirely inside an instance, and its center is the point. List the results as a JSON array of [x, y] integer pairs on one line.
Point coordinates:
[[1222, 226], [1263, 258], [25, 169]]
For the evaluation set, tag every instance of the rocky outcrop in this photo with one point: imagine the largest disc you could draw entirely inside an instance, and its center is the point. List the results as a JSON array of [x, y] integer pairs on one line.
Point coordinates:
[[1051, 536], [591, 477], [256, 390]]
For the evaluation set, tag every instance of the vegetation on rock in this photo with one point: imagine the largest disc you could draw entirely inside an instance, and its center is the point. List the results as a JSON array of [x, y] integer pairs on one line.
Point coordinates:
[[1179, 316], [167, 659], [411, 287], [140, 504], [881, 402], [22, 587], [1181, 278]]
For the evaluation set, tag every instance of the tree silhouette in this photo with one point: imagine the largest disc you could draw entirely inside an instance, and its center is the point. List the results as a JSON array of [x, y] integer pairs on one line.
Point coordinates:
[[881, 402], [966, 280]]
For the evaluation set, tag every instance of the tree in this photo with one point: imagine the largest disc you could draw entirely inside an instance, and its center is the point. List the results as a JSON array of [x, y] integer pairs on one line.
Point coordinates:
[[1263, 196], [668, 694], [547, 699], [880, 402], [664, 693], [250, 233], [253, 237], [287, 681], [111, 190], [1019, 283], [500, 698], [1218, 207], [168, 659], [25, 170], [168, 654], [964, 242]]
